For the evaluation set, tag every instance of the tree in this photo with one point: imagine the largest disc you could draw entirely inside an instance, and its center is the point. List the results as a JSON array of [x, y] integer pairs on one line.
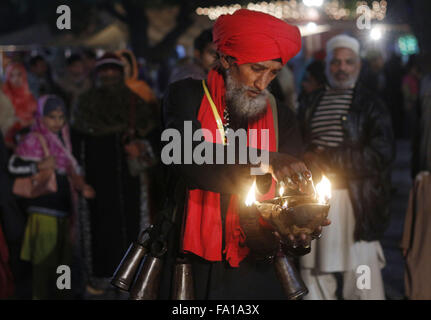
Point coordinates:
[[19, 14], [132, 13]]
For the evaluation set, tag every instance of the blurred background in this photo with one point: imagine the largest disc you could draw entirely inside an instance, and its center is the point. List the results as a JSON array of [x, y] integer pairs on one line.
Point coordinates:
[[394, 36]]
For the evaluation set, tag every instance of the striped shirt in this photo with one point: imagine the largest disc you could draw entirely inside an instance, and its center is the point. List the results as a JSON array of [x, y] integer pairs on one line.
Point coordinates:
[[326, 123]]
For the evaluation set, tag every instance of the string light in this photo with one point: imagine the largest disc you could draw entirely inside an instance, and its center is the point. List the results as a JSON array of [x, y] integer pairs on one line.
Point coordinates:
[[311, 26], [304, 10], [313, 3], [376, 33]]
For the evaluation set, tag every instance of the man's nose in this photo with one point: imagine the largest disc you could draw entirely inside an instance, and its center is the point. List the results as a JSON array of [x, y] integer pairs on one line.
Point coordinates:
[[262, 82], [343, 67]]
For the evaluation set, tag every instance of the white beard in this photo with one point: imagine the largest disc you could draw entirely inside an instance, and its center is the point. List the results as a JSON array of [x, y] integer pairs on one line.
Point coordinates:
[[347, 84], [240, 105]]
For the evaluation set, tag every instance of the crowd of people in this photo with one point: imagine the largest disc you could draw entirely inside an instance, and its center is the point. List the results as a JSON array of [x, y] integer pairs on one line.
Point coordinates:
[[99, 123], [96, 131]]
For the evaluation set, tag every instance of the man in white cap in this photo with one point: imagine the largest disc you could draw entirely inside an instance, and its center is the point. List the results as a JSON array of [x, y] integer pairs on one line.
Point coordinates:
[[348, 136]]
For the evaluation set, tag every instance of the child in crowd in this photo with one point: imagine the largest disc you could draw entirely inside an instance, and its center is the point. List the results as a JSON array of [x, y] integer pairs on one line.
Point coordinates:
[[48, 236]]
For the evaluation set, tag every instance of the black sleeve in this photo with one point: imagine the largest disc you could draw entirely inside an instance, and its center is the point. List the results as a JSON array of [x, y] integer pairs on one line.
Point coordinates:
[[11, 218], [373, 154], [20, 167]]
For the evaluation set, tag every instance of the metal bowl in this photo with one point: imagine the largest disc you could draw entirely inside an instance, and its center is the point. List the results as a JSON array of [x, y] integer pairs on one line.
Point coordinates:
[[300, 215]]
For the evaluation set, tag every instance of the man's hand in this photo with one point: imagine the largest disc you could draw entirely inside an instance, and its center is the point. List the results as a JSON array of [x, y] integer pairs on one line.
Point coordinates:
[[47, 163], [317, 163], [304, 240], [284, 167]]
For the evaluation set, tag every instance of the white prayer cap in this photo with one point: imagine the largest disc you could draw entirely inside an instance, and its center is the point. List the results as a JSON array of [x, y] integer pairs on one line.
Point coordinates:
[[342, 41]]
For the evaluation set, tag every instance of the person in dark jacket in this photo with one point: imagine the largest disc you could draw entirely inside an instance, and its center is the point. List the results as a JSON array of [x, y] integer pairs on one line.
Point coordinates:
[[110, 122], [202, 62], [12, 220], [314, 78], [348, 135], [8, 210]]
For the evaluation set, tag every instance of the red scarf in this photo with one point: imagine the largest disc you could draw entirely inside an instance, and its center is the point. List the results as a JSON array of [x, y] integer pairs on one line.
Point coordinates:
[[203, 223], [24, 103]]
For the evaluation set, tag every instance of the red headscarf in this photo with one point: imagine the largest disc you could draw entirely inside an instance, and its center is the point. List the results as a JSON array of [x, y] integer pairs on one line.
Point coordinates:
[[24, 103], [251, 36]]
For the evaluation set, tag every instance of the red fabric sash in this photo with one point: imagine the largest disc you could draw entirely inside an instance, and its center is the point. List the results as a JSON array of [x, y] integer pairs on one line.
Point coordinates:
[[203, 223]]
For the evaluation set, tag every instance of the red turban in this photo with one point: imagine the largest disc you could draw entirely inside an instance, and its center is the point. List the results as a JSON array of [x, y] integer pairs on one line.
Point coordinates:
[[251, 36]]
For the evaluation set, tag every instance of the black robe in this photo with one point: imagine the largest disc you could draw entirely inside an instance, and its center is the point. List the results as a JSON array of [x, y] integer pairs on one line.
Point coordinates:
[[217, 280], [12, 222], [102, 117], [114, 214]]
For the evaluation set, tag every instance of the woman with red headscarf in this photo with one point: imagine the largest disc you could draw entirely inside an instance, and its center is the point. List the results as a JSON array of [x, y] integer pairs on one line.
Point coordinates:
[[25, 105]]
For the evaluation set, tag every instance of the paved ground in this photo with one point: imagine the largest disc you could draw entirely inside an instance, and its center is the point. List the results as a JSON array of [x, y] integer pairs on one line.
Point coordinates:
[[393, 273]]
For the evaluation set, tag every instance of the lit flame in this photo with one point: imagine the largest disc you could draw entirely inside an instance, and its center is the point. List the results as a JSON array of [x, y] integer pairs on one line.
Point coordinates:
[[285, 204], [323, 189], [251, 196], [281, 191]]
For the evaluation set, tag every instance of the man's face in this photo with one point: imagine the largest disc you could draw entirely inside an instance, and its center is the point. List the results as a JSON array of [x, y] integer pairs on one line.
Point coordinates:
[[110, 76], [310, 84], [127, 68], [207, 57], [89, 63], [40, 68], [255, 76], [76, 69], [377, 64], [246, 94], [342, 68]]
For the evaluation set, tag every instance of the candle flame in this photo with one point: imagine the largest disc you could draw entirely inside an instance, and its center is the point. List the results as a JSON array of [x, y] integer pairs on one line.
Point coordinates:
[[281, 191], [251, 196], [323, 189]]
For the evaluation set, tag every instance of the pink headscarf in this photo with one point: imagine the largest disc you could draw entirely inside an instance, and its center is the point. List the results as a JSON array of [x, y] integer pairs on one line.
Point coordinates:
[[31, 149]]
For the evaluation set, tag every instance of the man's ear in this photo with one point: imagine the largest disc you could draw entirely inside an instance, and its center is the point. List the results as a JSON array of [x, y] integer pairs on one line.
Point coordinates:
[[225, 64]]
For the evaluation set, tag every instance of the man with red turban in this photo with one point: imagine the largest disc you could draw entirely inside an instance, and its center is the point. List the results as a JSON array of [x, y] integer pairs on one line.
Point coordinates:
[[252, 48]]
